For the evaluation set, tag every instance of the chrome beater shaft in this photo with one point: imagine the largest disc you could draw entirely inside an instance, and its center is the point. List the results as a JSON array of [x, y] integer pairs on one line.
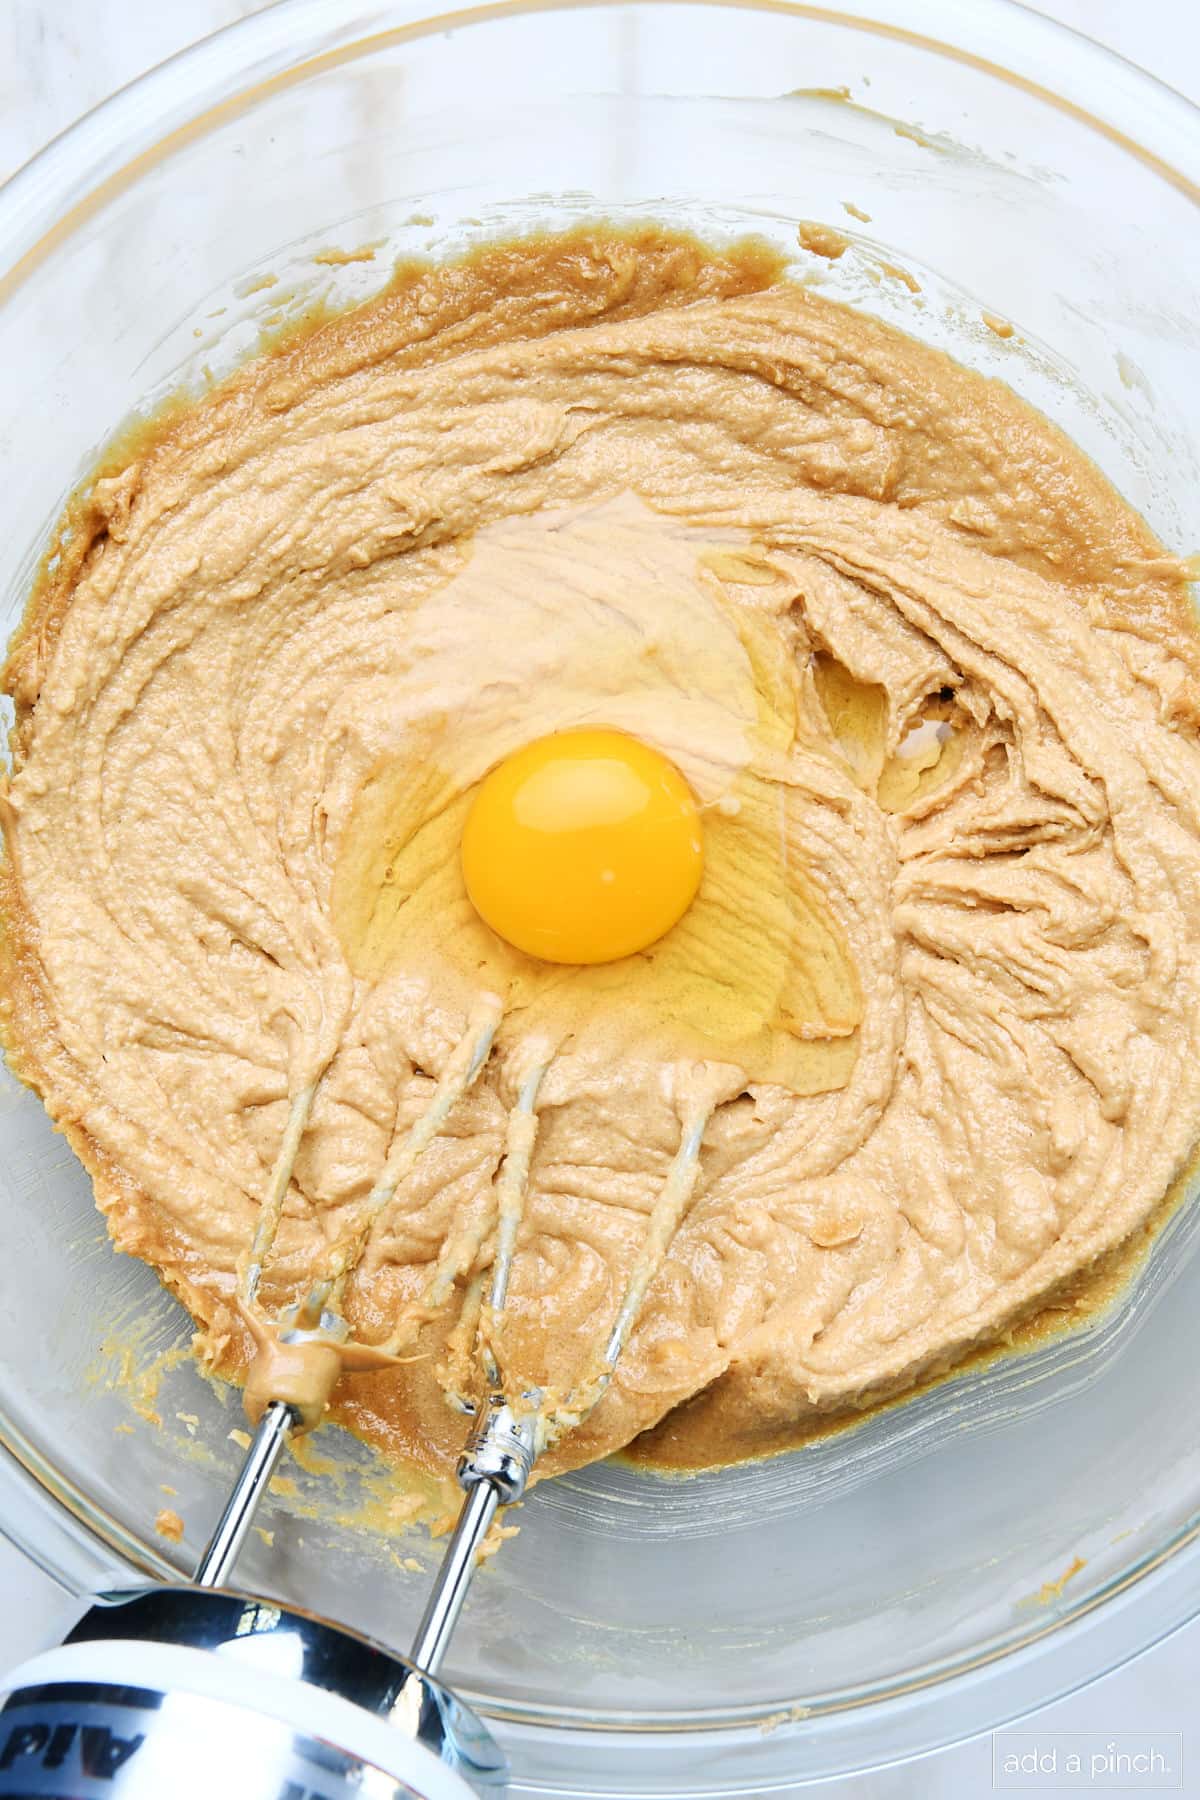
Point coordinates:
[[262, 1459], [493, 1470]]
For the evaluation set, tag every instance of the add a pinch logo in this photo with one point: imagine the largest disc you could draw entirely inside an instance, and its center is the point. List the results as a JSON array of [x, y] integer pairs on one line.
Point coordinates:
[[1026, 1761]]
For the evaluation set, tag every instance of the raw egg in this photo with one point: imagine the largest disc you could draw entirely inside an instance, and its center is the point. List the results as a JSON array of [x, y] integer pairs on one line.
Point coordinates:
[[583, 847]]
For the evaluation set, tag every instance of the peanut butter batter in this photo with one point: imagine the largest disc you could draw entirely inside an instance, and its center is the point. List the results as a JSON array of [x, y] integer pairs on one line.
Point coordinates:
[[932, 682]]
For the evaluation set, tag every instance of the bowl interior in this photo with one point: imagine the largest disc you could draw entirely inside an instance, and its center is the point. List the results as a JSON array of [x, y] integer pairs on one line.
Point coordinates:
[[877, 1565]]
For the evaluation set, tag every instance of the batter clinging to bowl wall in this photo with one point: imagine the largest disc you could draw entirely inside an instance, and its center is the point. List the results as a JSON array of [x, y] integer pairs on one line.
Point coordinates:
[[919, 695]]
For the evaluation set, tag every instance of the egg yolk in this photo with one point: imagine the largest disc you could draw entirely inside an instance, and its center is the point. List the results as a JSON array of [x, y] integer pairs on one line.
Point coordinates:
[[583, 847]]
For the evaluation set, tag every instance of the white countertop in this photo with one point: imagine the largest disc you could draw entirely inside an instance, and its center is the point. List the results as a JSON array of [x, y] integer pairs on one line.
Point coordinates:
[[60, 57]]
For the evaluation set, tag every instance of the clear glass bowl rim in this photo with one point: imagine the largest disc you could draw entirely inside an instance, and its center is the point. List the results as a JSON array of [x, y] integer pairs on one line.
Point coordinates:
[[292, 39]]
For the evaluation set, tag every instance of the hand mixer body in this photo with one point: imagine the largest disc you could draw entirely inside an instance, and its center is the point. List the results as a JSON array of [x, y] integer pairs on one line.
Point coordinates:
[[190, 1693]]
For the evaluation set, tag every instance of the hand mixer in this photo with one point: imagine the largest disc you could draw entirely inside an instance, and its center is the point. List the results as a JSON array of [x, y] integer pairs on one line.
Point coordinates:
[[187, 1690]]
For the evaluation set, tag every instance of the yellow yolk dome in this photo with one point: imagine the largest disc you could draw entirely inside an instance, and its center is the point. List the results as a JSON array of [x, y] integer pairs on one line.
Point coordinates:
[[583, 847]]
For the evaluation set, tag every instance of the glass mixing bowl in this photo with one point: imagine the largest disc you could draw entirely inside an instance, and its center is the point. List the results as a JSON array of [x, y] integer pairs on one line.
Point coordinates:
[[883, 1592]]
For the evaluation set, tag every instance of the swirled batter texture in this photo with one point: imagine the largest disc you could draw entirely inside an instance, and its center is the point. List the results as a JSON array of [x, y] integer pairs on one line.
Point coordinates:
[[932, 681]]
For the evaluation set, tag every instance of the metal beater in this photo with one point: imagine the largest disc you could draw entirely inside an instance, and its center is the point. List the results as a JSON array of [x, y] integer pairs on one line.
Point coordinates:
[[516, 1421], [191, 1690]]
